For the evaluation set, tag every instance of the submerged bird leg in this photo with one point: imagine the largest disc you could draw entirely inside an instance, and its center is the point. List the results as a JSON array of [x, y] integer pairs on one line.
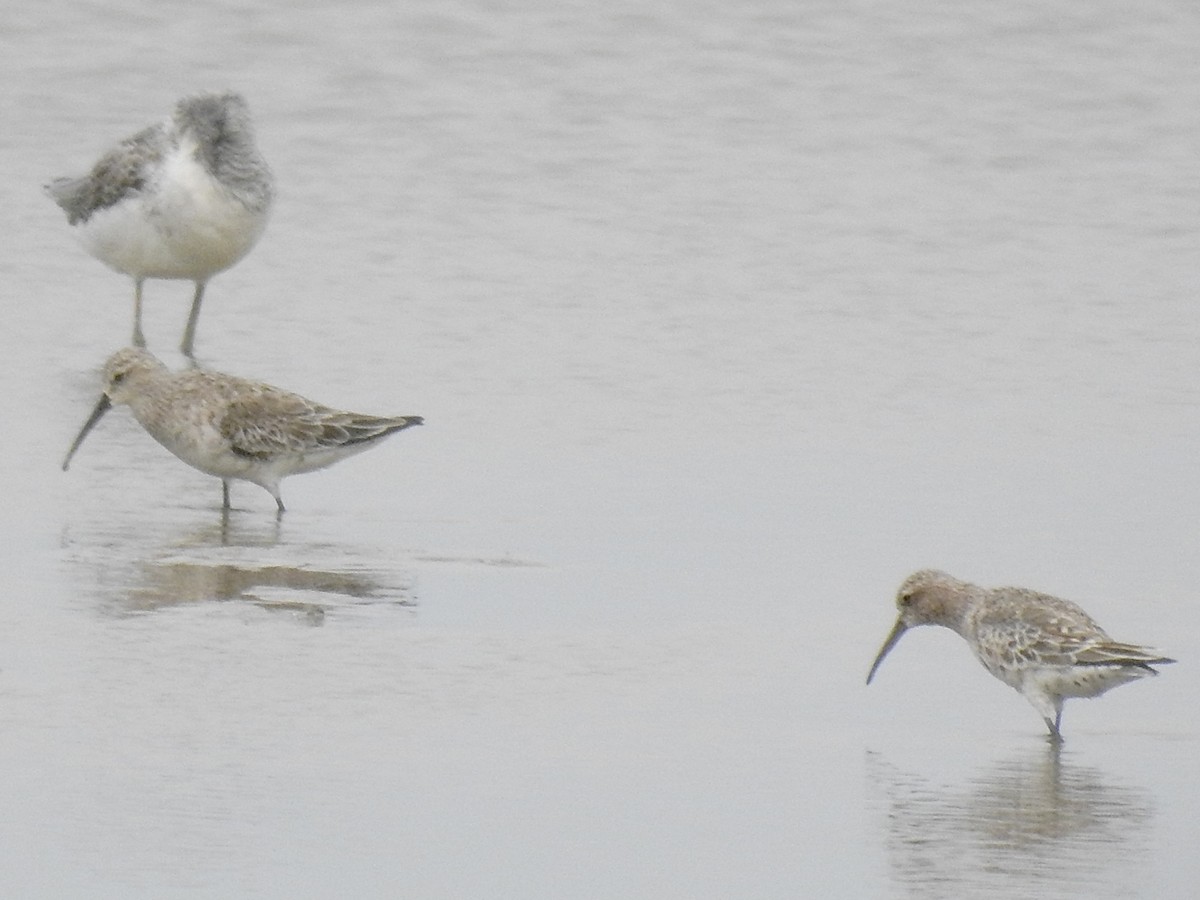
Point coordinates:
[[272, 488], [189, 333], [1055, 736], [139, 339], [224, 493]]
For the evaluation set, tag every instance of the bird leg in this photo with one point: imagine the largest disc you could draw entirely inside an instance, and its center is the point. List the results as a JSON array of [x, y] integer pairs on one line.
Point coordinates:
[[139, 339], [1054, 725], [189, 333]]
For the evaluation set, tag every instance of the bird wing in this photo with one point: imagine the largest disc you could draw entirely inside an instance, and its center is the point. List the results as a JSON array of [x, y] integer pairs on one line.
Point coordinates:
[[1114, 653], [1053, 631], [270, 422], [339, 429], [1026, 626], [120, 172]]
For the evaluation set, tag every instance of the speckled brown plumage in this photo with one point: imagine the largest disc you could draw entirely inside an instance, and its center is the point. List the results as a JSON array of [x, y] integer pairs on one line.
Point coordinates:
[[231, 427], [1045, 647]]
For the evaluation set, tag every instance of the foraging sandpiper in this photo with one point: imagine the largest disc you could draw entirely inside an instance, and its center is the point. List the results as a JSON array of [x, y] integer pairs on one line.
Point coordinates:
[[1046, 648], [233, 428]]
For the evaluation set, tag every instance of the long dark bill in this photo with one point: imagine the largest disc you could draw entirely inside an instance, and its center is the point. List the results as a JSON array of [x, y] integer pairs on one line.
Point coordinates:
[[102, 406], [897, 630]]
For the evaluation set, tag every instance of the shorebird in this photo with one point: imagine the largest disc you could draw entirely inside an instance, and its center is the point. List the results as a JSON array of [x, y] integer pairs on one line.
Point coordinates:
[[233, 428], [1045, 647], [185, 199]]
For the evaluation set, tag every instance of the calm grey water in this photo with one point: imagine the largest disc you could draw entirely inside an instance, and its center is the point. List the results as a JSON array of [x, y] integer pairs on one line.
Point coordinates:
[[723, 318]]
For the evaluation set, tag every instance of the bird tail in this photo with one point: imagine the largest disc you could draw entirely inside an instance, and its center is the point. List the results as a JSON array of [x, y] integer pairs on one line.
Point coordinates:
[[1111, 653], [368, 429]]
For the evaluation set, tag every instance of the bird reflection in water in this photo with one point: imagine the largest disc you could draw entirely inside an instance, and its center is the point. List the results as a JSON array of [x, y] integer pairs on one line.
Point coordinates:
[[128, 568], [1033, 822], [305, 592]]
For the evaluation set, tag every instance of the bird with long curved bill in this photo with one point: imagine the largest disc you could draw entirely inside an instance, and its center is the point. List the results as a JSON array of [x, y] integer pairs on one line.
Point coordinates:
[[233, 428], [1046, 648]]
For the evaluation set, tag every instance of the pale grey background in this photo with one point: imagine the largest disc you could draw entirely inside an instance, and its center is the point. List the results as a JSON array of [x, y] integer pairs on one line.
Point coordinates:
[[723, 317]]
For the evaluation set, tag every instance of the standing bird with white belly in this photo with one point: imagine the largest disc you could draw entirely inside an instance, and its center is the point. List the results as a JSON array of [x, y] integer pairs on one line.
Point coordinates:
[[184, 199]]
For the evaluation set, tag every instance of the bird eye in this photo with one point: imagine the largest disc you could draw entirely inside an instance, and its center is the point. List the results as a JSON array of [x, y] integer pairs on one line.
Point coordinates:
[[118, 377], [905, 599]]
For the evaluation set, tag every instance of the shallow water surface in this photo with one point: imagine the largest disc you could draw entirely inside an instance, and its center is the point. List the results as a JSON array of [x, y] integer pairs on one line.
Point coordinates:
[[722, 319]]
